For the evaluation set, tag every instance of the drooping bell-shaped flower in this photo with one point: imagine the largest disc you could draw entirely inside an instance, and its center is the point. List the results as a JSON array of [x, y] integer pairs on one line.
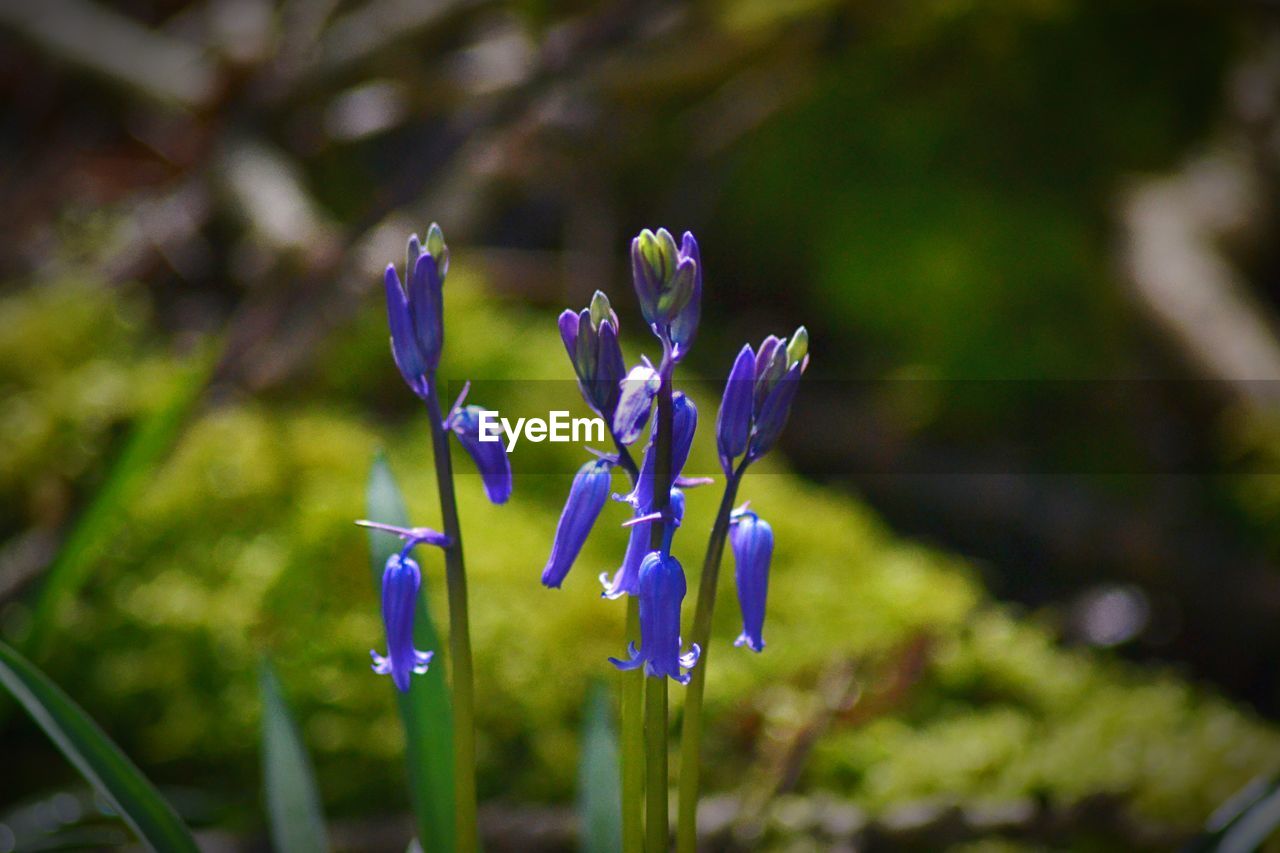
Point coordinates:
[[626, 580], [751, 538], [400, 582], [490, 457], [591, 338], [661, 589], [635, 402], [587, 497], [666, 279], [415, 310], [684, 423]]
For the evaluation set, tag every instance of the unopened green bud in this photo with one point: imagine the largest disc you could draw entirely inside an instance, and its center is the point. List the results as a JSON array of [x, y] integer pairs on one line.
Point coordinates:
[[798, 348], [601, 310], [438, 248]]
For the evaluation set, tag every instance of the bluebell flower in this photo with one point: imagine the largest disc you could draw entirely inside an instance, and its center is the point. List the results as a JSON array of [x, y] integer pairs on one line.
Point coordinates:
[[591, 338], [635, 402], [661, 590], [752, 540], [490, 457], [684, 423], [415, 312], [666, 280], [626, 580], [400, 581], [758, 396], [587, 497]]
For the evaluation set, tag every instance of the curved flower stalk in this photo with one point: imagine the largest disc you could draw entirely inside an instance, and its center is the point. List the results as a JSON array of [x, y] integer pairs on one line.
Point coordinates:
[[415, 315], [756, 405]]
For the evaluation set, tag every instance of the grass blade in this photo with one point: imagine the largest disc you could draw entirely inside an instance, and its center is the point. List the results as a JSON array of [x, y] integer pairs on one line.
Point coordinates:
[[424, 710], [99, 760], [599, 791], [289, 783], [1244, 821], [148, 443]]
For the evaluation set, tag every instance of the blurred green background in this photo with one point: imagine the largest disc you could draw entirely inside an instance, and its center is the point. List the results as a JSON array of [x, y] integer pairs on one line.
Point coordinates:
[[1026, 591]]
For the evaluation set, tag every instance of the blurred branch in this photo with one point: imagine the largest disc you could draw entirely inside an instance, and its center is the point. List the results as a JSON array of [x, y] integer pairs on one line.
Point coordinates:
[[157, 66], [1179, 230]]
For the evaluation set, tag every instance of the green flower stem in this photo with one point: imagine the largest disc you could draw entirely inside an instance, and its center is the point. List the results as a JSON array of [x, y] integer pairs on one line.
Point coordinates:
[[632, 752], [657, 833], [464, 729], [691, 733], [657, 826], [631, 765]]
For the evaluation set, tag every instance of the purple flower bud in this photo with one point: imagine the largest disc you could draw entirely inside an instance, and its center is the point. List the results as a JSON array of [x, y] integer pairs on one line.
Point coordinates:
[[490, 457], [587, 496], [626, 581], [665, 277], [635, 402], [662, 590], [591, 339], [569, 333], [685, 326], [404, 346], [426, 307], [752, 540], [774, 413], [684, 423], [769, 371], [733, 422], [400, 582], [415, 312]]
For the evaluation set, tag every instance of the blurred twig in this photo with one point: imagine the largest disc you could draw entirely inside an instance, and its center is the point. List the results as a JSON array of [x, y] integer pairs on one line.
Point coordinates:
[[149, 63]]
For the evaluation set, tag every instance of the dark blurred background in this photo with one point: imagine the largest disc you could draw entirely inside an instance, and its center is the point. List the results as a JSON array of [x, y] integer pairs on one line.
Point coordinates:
[[1034, 242]]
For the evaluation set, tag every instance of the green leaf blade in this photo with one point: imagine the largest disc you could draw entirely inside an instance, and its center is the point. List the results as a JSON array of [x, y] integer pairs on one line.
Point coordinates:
[[599, 789], [95, 756], [288, 780], [425, 710]]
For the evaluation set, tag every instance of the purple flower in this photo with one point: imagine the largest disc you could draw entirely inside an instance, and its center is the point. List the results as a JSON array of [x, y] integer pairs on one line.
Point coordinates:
[[490, 455], [626, 580], [758, 396], [662, 589], [635, 402], [752, 540], [666, 280], [415, 313], [733, 422], [684, 423], [591, 339], [684, 328], [587, 497], [400, 582]]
